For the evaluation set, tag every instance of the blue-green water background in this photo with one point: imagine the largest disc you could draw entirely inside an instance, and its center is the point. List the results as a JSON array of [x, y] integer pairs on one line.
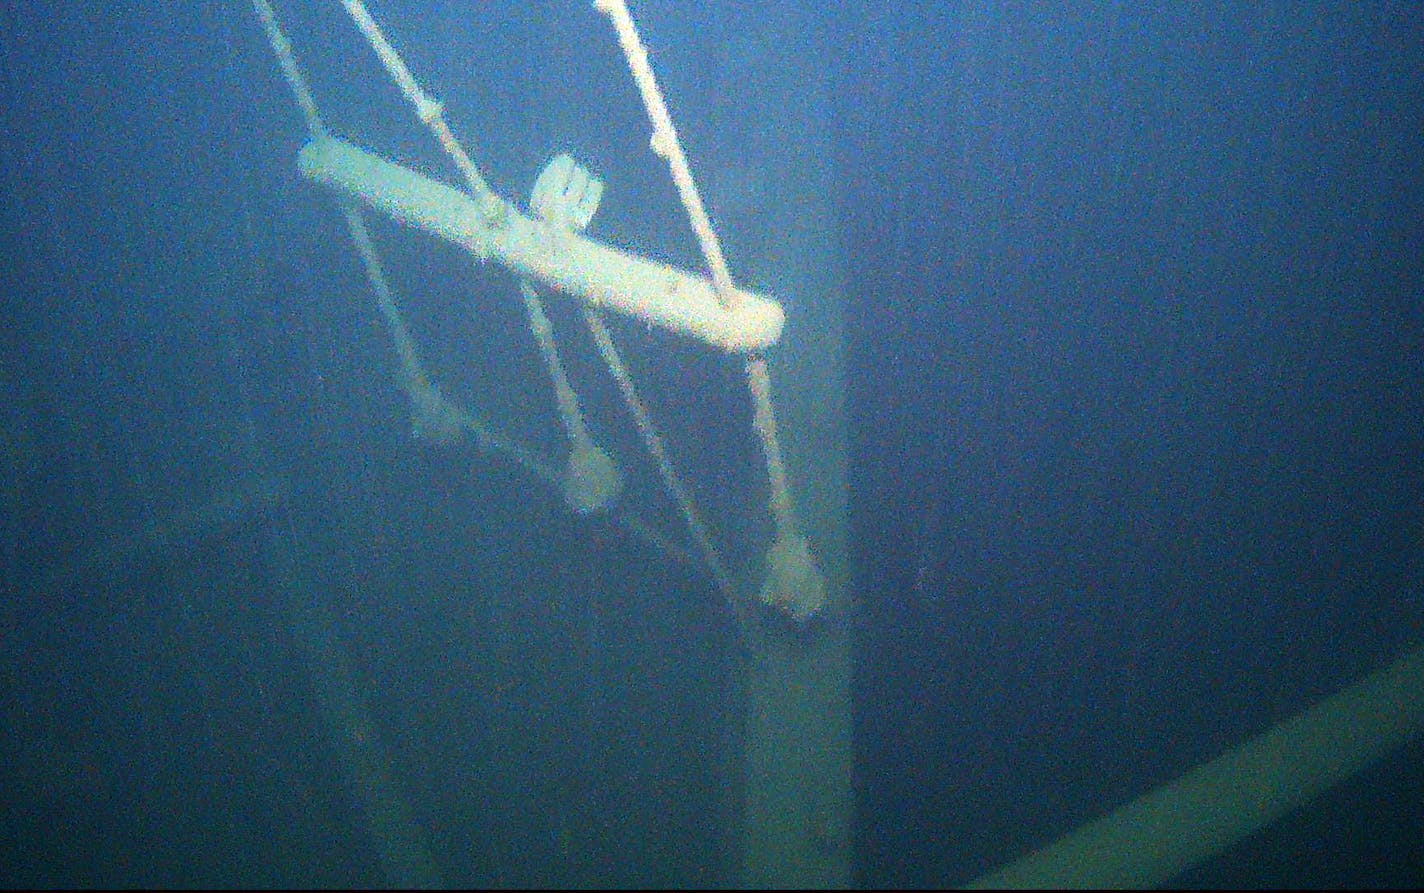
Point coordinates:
[[1134, 345]]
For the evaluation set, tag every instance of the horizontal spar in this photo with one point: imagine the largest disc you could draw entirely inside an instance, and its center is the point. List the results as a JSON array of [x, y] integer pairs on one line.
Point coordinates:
[[597, 274]]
